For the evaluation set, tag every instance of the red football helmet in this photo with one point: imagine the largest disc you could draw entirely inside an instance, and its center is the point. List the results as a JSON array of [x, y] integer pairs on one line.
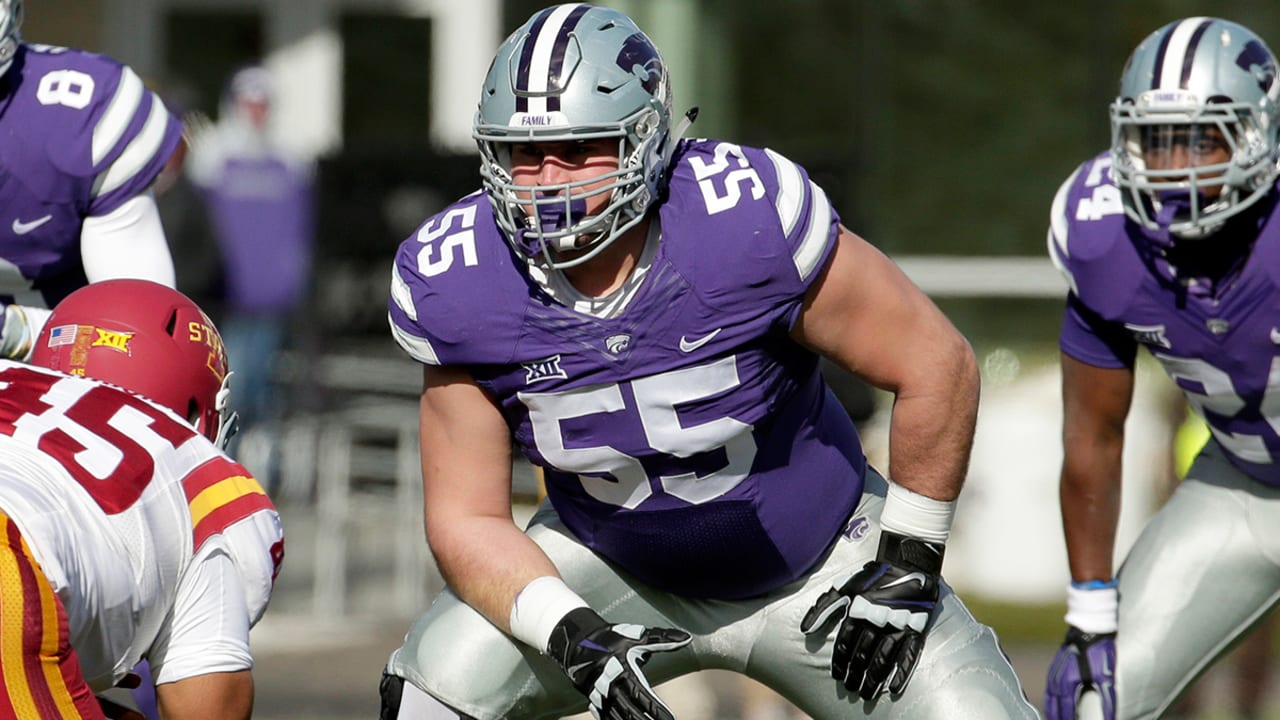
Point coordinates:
[[143, 337]]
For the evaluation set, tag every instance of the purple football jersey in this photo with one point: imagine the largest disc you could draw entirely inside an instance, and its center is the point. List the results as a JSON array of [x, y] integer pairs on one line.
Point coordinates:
[[687, 438], [81, 135], [1222, 348]]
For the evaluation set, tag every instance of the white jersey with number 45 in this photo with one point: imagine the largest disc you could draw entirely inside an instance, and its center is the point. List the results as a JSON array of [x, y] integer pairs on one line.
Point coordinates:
[[158, 545]]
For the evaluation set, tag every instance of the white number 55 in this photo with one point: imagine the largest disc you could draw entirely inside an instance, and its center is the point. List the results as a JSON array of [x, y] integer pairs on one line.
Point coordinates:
[[656, 399]]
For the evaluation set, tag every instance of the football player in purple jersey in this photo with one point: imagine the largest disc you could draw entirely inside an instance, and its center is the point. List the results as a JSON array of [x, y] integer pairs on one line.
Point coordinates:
[[1170, 241], [644, 316], [83, 141]]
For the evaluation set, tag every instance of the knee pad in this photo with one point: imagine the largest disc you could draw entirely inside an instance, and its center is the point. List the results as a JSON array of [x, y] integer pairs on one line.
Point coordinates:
[[419, 705]]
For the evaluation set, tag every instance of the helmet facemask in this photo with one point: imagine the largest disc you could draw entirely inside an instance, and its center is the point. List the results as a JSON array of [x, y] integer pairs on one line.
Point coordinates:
[[548, 222], [1189, 199]]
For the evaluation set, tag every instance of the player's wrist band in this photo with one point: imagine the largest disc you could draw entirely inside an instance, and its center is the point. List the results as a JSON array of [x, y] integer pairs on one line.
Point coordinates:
[[911, 552], [1093, 609], [914, 515], [538, 607], [1093, 584]]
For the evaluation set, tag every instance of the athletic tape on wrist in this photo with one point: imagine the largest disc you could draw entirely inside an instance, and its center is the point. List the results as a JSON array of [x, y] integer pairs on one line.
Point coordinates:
[[539, 606], [914, 515], [1093, 610]]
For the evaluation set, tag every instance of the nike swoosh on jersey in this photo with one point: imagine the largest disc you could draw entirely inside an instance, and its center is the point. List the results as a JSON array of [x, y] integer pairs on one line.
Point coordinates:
[[22, 228], [688, 346]]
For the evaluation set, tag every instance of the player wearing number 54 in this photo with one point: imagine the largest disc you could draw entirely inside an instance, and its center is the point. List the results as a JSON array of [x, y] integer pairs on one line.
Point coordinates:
[[1170, 241], [125, 533], [644, 315]]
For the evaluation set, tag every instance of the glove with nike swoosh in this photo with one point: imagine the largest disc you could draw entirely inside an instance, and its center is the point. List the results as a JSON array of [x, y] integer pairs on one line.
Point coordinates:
[[1087, 659], [603, 661], [884, 609]]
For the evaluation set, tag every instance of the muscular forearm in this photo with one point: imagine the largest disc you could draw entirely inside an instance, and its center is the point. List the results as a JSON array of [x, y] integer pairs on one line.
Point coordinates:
[[487, 561], [1090, 496], [931, 430]]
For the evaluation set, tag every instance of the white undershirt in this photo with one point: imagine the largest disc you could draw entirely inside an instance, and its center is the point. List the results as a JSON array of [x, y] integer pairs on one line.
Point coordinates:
[[605, 306]]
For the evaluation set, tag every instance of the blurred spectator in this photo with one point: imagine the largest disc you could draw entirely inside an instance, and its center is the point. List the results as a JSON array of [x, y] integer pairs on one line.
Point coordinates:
[[260, 203]]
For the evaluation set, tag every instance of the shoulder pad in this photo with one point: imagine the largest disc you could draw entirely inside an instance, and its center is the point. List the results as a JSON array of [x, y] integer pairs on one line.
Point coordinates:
[[753, 205], [92, 117], [1088, 241], [457, 296]]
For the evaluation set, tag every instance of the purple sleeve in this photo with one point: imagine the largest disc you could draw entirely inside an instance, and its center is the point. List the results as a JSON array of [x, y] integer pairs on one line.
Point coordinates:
[[1089, 338], [98, 120]]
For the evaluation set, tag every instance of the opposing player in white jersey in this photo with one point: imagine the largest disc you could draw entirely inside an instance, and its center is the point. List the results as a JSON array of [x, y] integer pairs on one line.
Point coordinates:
[[644, 316], [1171, 241], [83, 142], [127, 533]]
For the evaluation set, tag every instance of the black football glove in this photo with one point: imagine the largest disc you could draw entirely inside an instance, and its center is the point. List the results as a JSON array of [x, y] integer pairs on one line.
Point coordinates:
[[603, 661], [885, 609]]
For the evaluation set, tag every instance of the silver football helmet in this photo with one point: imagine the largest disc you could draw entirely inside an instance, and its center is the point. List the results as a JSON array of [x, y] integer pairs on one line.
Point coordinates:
[[10, 23], [1198, 82], [574, 72]]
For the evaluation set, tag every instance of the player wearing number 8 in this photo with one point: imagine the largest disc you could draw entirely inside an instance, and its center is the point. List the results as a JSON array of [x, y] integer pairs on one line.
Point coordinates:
[[125, 533], [83, 142], [1169, 241], [644, 314]]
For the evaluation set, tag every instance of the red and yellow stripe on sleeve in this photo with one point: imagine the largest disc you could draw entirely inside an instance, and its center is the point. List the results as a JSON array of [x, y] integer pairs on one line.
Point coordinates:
[[221, 493], [39, 670]]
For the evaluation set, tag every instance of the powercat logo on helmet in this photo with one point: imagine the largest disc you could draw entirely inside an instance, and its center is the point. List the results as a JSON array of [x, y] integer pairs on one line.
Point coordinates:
[[639, 57], [1255, 60]]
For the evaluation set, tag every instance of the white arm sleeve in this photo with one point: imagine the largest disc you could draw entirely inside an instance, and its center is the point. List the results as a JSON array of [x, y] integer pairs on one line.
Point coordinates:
[[128, 242], [208, 628]]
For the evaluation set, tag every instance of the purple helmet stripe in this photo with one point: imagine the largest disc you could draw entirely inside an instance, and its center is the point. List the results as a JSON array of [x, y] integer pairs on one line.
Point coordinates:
[[526, 57], [558, 53], [1176, 53], [1164, 48], [1189, 58]]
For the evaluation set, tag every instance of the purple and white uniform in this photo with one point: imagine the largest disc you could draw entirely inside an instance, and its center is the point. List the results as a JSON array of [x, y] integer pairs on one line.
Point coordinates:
[[79, 135], [1203, 570], [1222, 349], [690, 446], [687, 434]]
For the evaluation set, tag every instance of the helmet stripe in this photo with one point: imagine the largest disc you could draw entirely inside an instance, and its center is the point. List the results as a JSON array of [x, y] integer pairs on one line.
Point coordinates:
[[526, 56], [559, 51], [1177, 51], [542, 57], [1189, 59]]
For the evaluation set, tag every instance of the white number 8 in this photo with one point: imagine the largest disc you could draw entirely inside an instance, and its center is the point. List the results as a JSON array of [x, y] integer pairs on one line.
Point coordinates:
[[71, 88]]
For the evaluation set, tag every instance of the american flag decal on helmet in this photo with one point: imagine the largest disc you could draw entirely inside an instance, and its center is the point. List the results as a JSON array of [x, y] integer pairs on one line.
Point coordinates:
[[538, 78], [62, 335]]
